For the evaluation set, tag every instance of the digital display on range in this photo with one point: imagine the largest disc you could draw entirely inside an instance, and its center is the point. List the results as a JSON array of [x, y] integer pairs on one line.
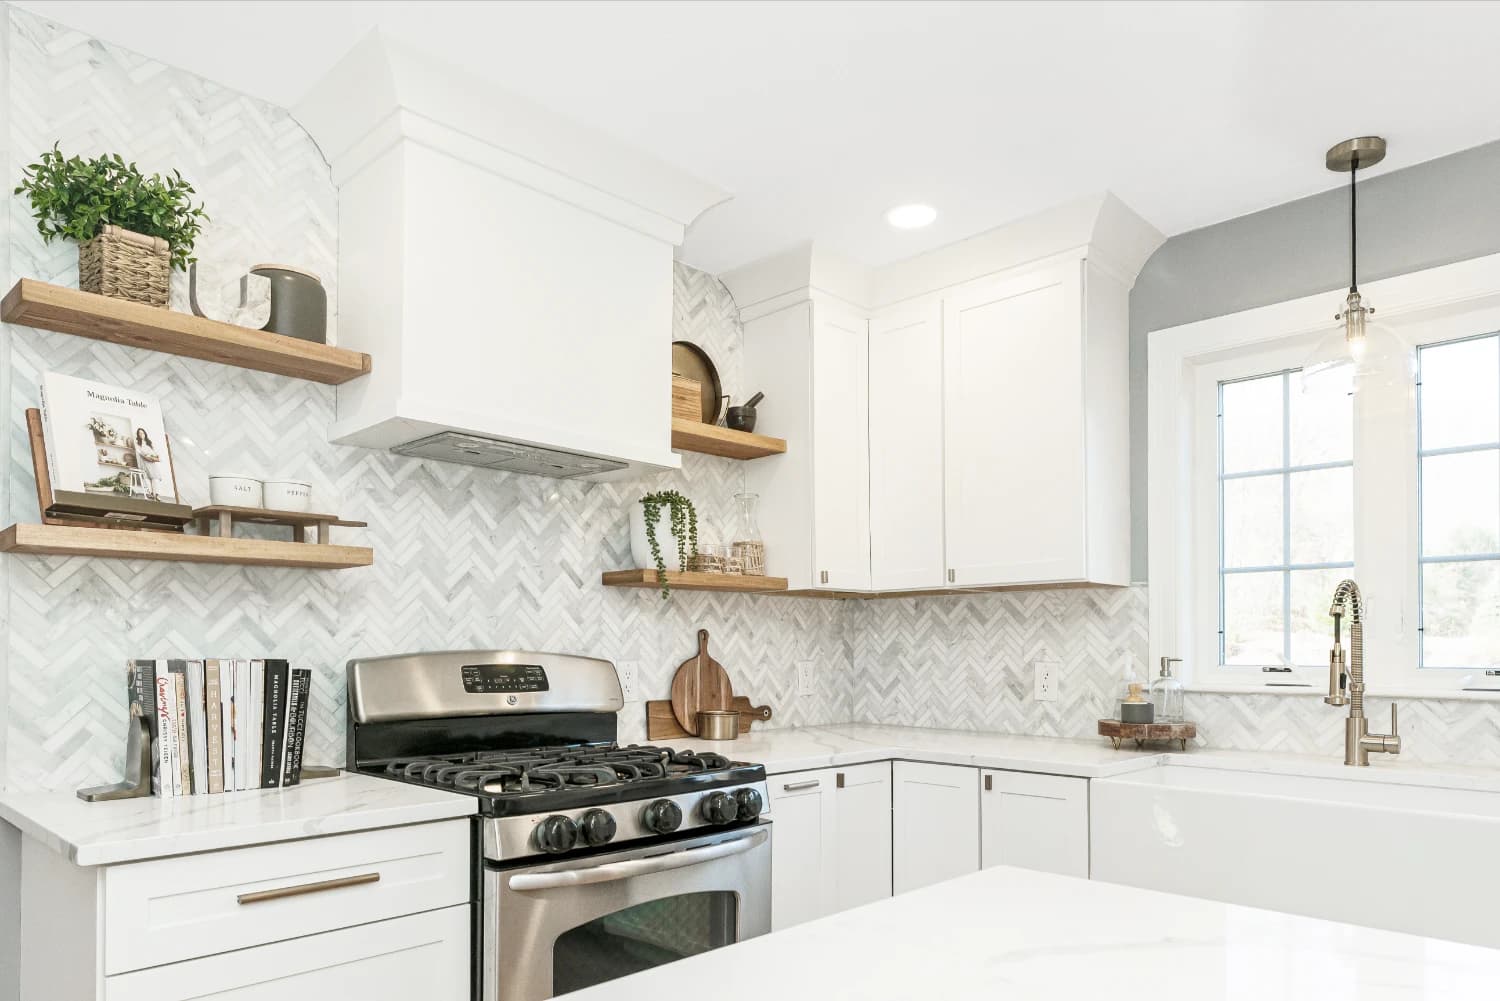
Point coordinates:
[[488, 679]]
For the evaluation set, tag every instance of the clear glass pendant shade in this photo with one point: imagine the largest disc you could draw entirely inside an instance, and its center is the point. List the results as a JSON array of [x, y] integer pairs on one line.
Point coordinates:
[[1359, 354]]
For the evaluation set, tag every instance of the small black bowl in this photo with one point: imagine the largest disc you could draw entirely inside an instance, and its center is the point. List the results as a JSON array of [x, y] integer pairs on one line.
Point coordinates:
[[740, 419]]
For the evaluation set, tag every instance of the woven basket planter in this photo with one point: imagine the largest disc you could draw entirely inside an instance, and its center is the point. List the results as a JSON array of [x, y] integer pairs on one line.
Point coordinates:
[[126, 265]]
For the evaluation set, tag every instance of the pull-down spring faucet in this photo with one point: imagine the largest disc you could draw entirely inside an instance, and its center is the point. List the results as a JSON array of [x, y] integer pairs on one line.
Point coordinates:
[[1359, 742]]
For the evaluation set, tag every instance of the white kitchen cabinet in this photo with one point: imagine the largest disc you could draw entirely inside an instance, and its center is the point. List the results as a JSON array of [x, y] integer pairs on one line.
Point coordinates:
[[830, 841], [1032, 429], [906, 454], [422, 955], [935, 823], [804, 885], [1035, 822], [862, 856], [811, 359]]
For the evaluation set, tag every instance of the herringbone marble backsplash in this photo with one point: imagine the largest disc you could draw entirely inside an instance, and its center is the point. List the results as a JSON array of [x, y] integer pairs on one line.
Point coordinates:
[[464, 557]]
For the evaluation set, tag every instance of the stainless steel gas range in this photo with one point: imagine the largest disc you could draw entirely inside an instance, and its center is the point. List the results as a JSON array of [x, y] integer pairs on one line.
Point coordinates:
[[592, 860]]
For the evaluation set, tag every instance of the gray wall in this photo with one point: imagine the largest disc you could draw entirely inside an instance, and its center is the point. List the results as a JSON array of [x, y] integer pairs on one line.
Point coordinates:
[[1419, 217]]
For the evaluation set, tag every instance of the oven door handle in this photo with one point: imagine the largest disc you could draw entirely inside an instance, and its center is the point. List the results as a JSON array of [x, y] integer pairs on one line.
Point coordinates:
[[609, 873]]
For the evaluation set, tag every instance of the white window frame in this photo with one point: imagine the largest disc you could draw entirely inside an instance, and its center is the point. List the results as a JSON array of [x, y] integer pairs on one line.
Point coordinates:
[[1184, 367]]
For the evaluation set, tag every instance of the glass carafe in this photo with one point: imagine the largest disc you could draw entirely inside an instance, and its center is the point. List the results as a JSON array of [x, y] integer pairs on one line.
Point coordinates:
[[1166, 693], [748, 546]]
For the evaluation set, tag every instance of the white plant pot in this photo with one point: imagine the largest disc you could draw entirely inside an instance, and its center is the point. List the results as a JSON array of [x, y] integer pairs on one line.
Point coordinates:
[[640, 546]]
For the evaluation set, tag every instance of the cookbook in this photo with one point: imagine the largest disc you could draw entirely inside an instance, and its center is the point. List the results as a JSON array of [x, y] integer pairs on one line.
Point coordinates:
[[106, 440]]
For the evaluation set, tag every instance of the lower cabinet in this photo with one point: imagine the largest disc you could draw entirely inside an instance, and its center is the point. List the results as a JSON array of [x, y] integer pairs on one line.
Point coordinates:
[[419, 956], [1035, 822], [935, 822], [830, 841]]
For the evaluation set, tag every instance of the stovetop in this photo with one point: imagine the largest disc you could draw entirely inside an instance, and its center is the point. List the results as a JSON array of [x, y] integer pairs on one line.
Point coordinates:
[[563, 777]]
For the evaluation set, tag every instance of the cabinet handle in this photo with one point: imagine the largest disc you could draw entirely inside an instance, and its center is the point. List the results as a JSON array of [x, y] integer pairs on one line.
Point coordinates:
[[822, 576], [794, 786], [951, 577], [838, 780], [298, 890], [989, 783]]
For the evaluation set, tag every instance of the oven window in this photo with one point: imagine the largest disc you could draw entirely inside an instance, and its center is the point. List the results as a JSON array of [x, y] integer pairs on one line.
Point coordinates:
[[640, 937]]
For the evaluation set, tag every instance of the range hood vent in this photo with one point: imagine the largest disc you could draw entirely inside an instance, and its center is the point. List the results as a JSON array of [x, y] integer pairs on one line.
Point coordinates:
[[511, 456]]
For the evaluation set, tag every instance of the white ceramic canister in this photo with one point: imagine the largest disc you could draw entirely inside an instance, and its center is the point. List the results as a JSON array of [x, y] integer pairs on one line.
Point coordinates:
[[288, 495], [235, 490]]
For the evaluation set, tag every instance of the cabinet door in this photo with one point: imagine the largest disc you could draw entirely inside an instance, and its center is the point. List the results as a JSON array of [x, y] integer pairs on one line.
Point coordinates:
[[841, 464], [863, 855], [1014, 429], [803, 845], [935, 821], [906, 448], [1035, 822], [422, 956]]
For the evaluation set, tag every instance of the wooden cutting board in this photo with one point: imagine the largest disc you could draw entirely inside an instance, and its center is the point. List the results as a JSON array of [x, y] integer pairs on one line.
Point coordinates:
[[700, 683], [661, 724]]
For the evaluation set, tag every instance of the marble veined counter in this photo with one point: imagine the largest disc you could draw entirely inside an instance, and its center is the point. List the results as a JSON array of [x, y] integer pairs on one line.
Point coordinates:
[[151, 827], [1012, 934]]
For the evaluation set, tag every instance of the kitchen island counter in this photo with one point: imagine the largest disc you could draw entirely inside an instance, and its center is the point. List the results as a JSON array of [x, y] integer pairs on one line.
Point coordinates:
[[1029, 936]]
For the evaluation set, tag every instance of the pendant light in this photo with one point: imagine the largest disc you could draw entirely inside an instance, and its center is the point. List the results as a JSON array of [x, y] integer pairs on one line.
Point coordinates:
[[1359, 354]]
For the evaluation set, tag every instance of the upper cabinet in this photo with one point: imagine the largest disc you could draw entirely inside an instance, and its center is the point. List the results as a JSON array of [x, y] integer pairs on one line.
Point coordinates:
[[970, 428], [812, 360]]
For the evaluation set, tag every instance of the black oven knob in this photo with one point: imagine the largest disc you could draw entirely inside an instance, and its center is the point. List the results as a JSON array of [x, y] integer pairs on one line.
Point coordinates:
[[597, 827], [719, 808], [556, 834], [663, 816], [749, 803]]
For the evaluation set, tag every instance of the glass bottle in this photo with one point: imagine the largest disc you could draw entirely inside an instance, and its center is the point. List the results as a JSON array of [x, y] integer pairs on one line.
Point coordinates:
[[1166, 693], [748, 546], [1134, 701]]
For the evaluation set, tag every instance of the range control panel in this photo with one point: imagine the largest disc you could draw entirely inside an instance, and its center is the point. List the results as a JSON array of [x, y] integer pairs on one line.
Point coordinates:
[[487, 679]]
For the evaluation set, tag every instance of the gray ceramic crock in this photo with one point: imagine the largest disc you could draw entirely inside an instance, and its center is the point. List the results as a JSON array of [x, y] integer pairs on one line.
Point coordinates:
[[299, 303]]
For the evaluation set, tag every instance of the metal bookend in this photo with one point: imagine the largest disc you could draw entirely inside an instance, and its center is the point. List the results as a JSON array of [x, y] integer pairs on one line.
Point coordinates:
[[137, 781]]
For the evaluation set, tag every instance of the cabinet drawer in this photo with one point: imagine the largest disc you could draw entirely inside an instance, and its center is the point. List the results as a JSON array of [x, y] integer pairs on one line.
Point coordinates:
[[421, 956], [168, 910]]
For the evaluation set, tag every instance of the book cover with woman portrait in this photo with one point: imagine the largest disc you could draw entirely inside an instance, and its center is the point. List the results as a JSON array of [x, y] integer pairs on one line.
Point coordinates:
[[105, 439]]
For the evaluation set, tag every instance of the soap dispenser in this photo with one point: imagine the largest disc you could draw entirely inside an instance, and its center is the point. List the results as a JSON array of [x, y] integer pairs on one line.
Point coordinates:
[[1166, 693]]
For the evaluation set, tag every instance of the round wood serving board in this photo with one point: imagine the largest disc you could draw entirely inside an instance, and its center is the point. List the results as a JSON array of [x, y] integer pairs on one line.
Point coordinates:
[[700, 683]]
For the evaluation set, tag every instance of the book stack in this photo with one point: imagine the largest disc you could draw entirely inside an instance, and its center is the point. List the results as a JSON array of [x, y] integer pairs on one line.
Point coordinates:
[[221, 725]]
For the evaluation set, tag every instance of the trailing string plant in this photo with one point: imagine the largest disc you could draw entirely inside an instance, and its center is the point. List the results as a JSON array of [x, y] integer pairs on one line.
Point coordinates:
[[75, 198], [684, 529]]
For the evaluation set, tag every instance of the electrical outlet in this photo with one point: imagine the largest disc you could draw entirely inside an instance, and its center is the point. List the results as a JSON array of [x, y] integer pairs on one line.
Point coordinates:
[[806, 681], [629, 672], [1046, 680]]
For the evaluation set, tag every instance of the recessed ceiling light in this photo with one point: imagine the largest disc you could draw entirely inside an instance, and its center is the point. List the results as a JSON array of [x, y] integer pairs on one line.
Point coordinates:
[[911, 216]]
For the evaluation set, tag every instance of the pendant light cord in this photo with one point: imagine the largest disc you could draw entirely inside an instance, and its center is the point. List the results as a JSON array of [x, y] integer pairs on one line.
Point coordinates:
[[1353, 228]]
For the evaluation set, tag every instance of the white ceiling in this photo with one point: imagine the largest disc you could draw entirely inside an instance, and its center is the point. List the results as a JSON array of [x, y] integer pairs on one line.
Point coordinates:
[[820, 116]]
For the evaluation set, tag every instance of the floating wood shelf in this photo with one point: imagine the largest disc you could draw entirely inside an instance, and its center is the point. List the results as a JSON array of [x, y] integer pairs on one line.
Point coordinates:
[[69, 311], [60, 540], [710, 439], [694, 581]]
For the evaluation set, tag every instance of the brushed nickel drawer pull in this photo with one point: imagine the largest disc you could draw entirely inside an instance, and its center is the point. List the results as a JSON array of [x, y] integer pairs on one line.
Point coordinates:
[[794, 786], [296, 891]]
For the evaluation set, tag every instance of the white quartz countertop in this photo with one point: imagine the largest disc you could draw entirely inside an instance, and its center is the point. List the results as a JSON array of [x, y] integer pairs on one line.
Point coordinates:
[[1027, 936], [802, 748], [134, 829]]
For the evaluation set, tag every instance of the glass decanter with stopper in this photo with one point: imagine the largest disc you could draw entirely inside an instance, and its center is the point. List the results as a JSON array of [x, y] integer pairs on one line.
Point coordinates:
[[1166, 693], [748, 546]]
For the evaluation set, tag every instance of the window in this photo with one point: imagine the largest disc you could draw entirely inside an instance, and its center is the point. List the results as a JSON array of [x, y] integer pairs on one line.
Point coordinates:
[[1286, 519], [1261, 497], [1458, 406]]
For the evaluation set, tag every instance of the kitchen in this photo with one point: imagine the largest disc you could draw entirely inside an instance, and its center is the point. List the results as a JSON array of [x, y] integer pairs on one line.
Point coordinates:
[[1028, 512]]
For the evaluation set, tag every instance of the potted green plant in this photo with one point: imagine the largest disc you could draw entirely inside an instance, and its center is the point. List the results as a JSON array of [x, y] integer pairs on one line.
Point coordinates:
[[132, 229], [647, 519]]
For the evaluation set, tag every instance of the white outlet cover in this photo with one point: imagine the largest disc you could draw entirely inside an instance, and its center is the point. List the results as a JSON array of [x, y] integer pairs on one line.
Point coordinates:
[[630, 679], [806, 677], [1045, 674]]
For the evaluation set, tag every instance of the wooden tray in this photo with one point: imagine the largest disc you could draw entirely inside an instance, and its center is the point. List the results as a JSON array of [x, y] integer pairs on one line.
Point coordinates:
[[1118, 732], [662, 725], [225, 516]]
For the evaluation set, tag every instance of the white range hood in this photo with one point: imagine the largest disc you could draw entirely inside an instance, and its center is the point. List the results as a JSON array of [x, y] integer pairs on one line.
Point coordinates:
[[509, 272]]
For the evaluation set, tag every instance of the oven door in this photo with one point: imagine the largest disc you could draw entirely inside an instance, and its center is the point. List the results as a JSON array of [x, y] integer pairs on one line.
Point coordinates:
[[550, 929]]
